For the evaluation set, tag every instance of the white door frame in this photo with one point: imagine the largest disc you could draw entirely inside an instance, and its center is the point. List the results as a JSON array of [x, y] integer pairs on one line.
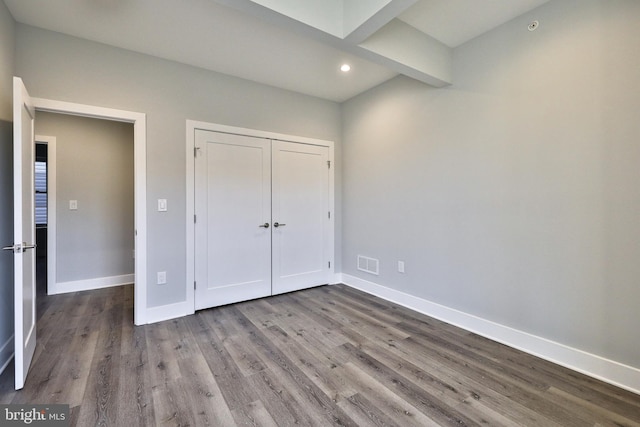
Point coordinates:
[[139, 121], [50, 142], [192, 125]]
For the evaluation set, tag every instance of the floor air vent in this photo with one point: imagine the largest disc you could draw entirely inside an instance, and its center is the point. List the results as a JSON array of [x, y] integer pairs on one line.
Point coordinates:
[[369, 265]]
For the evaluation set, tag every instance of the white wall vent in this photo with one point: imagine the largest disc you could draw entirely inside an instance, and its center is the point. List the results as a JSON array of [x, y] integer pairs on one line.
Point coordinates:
[[369, 265]]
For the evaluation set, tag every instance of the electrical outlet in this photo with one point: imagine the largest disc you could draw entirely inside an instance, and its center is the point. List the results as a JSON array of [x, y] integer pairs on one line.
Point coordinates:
[[400, 266], [162, 277]]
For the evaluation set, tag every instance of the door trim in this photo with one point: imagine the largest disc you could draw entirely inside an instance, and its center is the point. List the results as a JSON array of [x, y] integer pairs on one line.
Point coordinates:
[[191, 127], [50, 142], [139, 121]]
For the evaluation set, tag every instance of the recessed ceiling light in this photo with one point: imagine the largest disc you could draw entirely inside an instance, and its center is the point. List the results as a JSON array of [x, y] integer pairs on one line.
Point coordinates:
[[345, 67]]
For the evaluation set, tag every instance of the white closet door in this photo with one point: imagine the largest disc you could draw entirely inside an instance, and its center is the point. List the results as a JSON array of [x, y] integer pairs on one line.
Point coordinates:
[[300, 215], [233, 211]]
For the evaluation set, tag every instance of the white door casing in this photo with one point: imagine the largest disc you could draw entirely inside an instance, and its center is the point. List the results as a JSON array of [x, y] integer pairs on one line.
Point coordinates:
[[233, 205], [24, 231], [300, 216]]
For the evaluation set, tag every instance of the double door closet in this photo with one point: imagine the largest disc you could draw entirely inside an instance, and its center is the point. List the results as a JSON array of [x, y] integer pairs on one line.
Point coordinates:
[[263, 219]]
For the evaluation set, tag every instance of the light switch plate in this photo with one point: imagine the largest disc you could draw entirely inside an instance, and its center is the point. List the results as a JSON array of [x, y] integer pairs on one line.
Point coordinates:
[[162, 205], [73, 205], [162, 277]]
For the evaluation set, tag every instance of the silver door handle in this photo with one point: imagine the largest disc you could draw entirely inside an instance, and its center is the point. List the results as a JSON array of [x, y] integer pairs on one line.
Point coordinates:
[[276, 225], [265, 225], [19, 248]]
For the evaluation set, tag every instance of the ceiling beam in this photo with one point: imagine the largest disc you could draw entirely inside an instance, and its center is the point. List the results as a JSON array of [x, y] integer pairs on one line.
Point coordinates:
[[358, 30], [413, 53], [368, 30]]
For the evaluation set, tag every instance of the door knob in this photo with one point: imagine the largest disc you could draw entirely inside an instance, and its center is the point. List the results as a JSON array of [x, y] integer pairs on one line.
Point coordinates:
[[276, 225], [265, 225]]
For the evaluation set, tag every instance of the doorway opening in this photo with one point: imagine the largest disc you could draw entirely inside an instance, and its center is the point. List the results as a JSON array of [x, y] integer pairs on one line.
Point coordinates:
[[41, 219], [93, 227], [140, 188]]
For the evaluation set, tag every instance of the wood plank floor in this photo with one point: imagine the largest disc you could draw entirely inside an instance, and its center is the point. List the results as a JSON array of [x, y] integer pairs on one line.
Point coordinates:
[[324, 356]]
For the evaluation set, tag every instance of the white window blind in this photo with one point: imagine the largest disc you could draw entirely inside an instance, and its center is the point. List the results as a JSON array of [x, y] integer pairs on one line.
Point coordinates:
[[41, 193]]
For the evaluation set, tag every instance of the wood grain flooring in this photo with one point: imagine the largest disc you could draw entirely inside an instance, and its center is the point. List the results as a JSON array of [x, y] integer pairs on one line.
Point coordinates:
[[327, 356]]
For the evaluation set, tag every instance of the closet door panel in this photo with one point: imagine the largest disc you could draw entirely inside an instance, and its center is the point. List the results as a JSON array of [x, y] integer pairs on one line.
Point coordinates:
[[300, 195], [233, 211]]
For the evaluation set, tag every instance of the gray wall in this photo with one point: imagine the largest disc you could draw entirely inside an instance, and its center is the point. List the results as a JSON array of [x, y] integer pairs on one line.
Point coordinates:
[[95, 167], [514, 194], [6, 175], [69, 69], [7, 62]]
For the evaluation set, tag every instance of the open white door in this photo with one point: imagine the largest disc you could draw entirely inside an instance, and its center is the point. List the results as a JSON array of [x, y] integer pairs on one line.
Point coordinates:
[[24, 231]]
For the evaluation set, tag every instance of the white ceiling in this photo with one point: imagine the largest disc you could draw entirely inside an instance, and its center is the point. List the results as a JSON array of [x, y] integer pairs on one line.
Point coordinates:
[[454, 22], [209, 35]]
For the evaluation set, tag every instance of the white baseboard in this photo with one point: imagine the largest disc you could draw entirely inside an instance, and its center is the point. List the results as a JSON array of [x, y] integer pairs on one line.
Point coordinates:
[[6, 353], [169, 311], [610, 371], [89, 284], [335, 279]]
